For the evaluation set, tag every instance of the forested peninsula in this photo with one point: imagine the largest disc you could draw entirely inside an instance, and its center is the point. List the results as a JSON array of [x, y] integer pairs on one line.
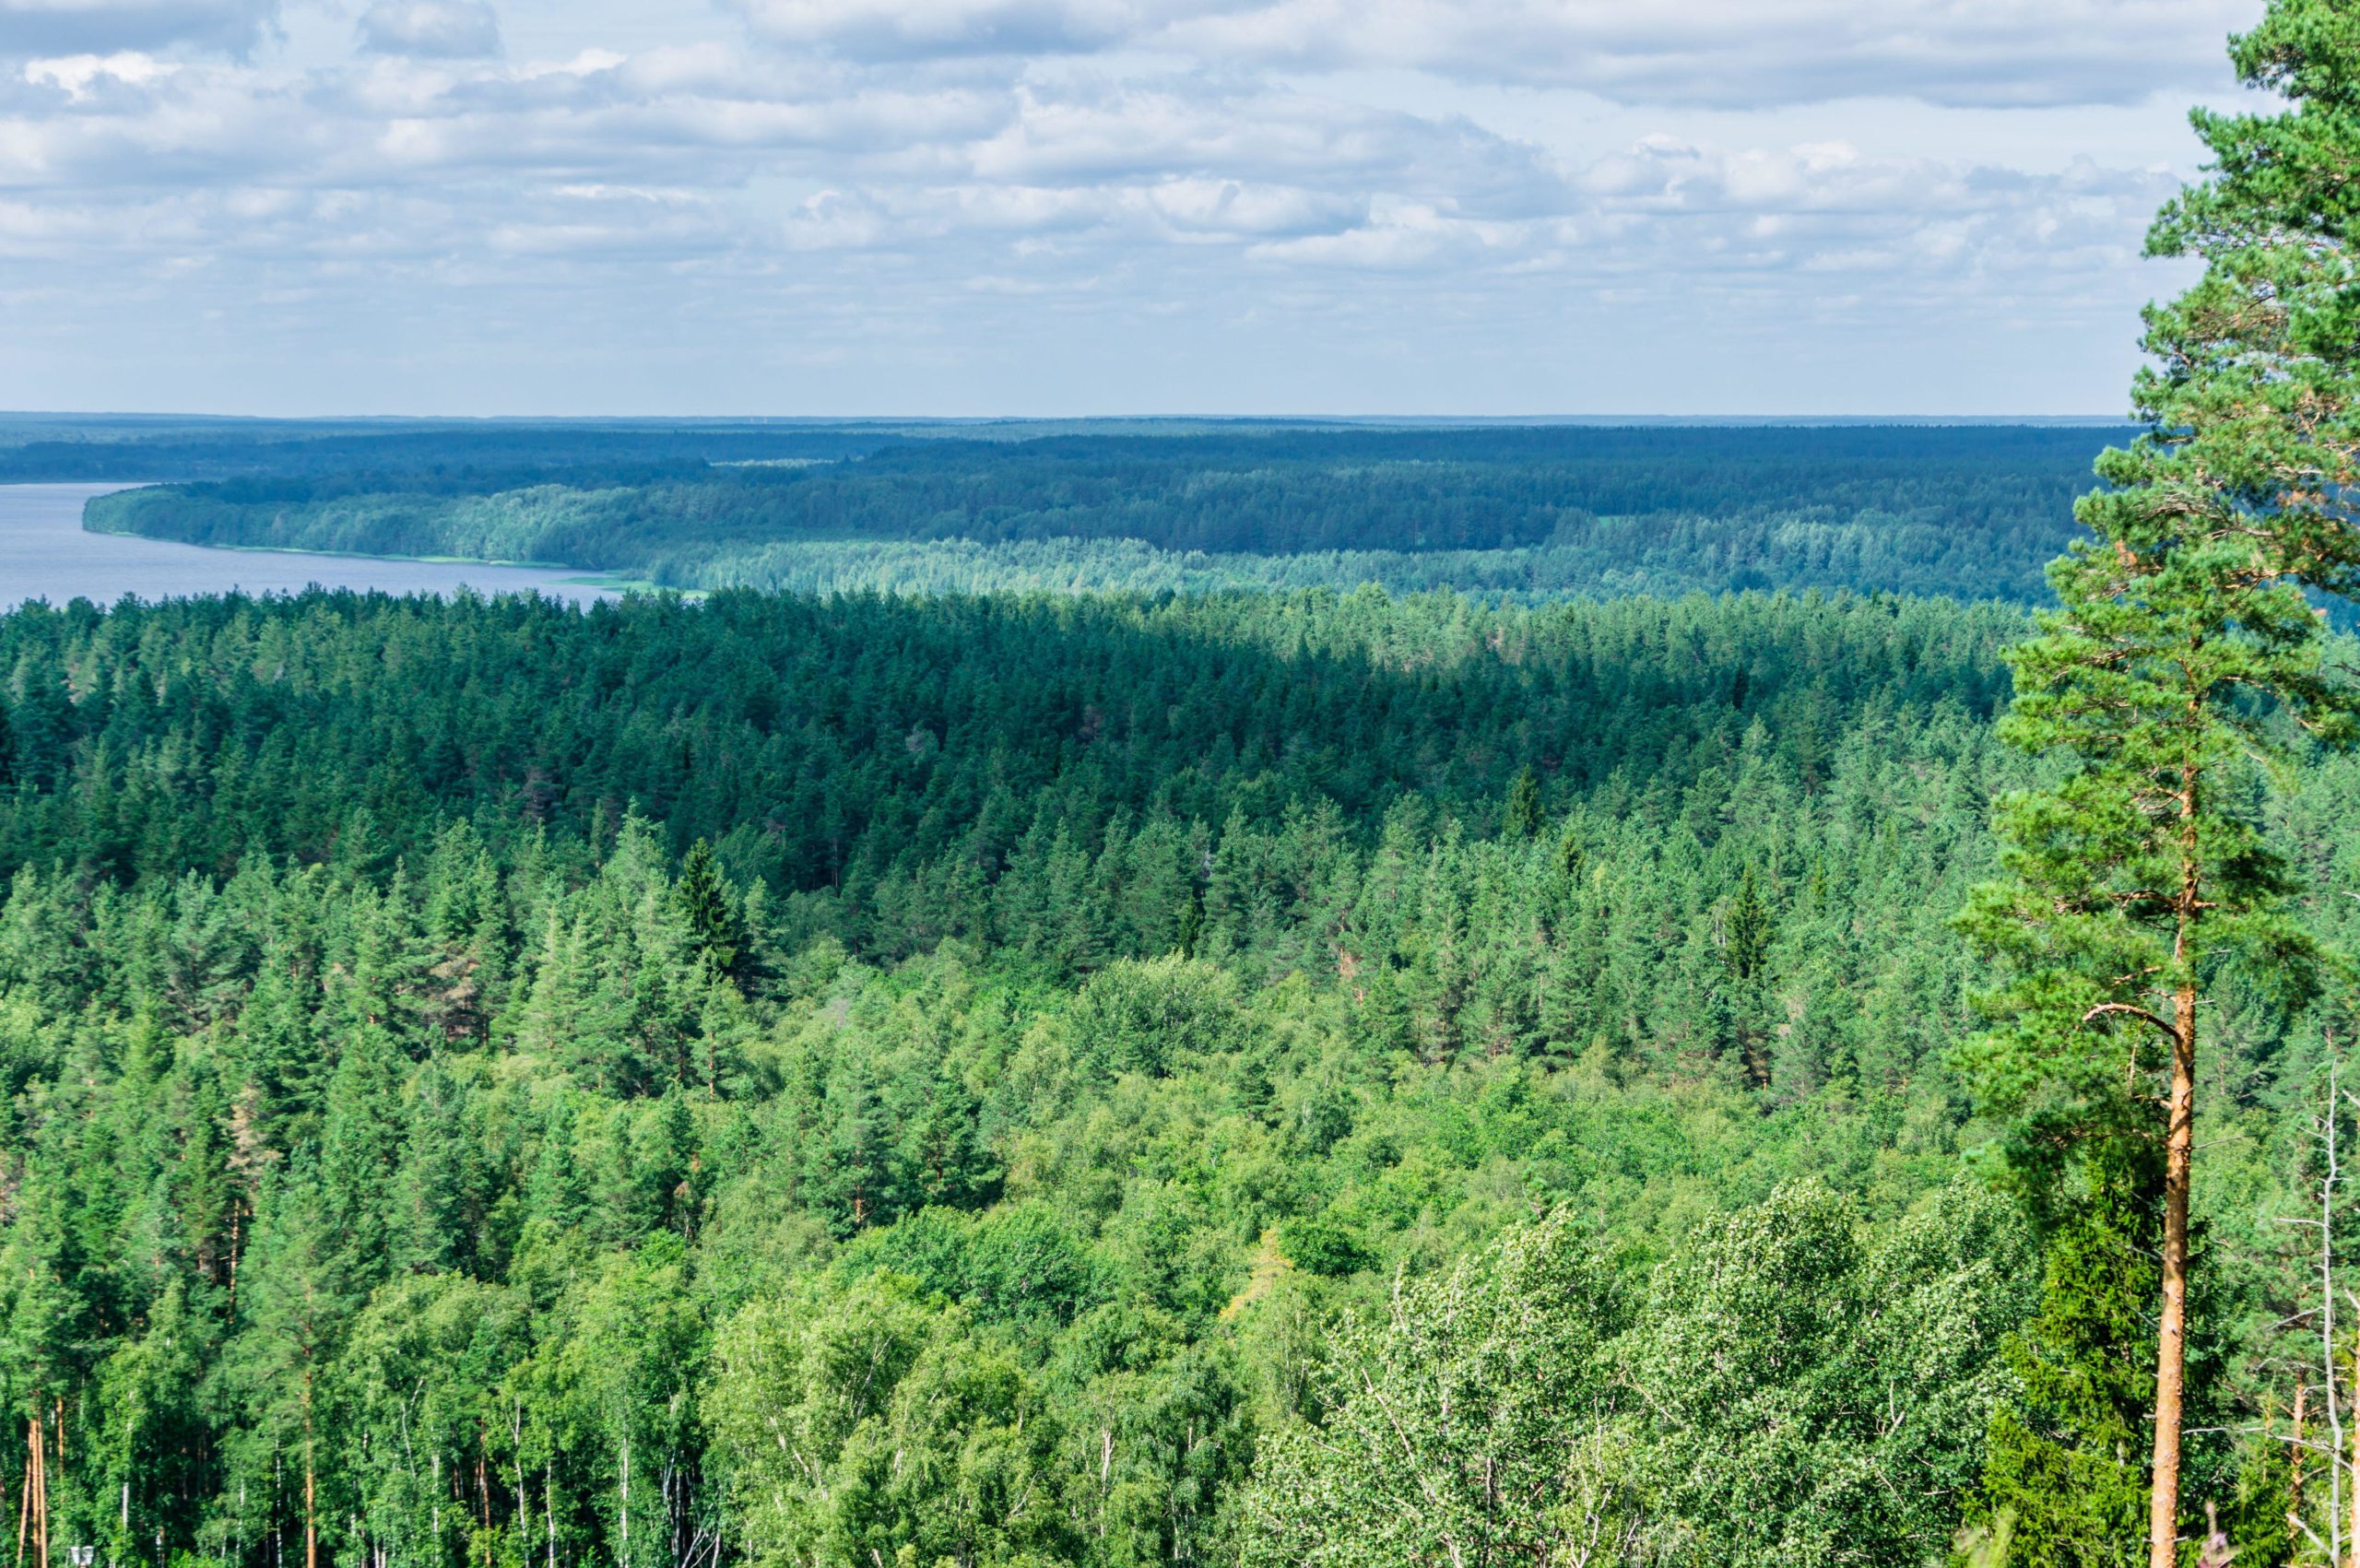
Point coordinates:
[[1524, 513]]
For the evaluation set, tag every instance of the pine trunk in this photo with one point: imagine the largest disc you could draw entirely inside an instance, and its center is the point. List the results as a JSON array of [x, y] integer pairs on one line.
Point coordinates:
[[2171, 1359], [311, 1497], [25, 1509]]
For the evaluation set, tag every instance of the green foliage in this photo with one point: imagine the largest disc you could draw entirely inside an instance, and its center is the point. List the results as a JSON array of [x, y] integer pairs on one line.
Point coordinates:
[[2067, 1467], [2184, 657], [1107, 1019], [1748, 941], [1521, 819], [1813, 1400], [1462, 1425], [1782, 1395], [709, 907]]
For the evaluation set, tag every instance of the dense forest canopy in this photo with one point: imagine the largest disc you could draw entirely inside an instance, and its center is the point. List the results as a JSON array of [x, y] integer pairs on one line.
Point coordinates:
[[1265, 994], [1530, 511], [1034, 1080]]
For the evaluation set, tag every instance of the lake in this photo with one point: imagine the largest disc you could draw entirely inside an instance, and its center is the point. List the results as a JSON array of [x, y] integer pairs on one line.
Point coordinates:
[[44, 554]]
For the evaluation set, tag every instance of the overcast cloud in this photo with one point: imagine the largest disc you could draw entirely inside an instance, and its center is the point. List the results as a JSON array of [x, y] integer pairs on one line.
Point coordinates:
[[1089, 205]]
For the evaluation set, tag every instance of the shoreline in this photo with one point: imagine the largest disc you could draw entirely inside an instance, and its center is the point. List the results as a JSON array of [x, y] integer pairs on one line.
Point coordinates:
[[587, 578]]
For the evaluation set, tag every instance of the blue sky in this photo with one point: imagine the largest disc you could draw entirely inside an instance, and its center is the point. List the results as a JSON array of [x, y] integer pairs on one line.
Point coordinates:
[[1090, 206]]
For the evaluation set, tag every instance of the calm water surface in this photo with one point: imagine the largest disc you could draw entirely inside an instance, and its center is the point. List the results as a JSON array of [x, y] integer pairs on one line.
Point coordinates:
[[45, 555]]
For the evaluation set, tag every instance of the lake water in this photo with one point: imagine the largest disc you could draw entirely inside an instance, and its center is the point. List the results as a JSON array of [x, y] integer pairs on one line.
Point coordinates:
[[44, 554]]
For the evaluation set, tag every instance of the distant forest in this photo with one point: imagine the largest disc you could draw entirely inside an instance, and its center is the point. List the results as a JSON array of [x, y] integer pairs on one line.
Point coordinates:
[[1526, 512]]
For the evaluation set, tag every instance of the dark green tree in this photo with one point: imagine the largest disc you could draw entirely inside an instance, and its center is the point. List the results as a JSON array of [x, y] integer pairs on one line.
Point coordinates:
[[951, 1167], [1745, 954], [710, 906], [2065, 1475], [1521, 819], [294, 1310]]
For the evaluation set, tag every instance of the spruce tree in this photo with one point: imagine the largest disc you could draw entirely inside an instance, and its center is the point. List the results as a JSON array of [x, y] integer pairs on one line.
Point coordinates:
[[2185, 646], [1749, 930], [1746, 954], [707, 904], [2063, 1475], [1523, 816]]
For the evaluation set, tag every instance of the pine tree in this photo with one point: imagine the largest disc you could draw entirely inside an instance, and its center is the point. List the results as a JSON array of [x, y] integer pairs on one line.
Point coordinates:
[[859, 1178], [1192, 924], [1745, 953], [1571, 855], [2183, 623], [668, 1161], [360, 1154]]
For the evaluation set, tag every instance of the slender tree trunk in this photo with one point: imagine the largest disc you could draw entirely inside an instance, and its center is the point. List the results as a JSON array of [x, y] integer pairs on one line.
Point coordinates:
[[311, 1496], [2355, 1536], [2171, 1361], [41, 1493], [25, 1504], [2295, 1457], [2179, 1145], [237, 1214]]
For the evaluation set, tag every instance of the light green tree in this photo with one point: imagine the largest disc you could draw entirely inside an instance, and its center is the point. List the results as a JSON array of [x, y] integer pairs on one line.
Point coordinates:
[[1469, 1426]]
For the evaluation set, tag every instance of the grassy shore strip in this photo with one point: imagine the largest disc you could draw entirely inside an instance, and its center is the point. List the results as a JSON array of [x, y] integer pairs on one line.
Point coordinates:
[[603, 581]]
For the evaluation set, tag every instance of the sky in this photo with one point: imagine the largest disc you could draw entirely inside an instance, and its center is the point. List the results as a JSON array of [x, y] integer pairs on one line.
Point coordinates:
[[1090, 206]]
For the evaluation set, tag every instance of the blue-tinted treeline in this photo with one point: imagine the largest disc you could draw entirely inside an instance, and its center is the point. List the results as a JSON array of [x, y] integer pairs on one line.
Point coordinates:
[[1969, 511]]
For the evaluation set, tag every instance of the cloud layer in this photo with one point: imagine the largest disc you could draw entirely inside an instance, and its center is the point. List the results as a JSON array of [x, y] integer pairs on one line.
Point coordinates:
[[70, 27], [1680, 51], [819, 204]]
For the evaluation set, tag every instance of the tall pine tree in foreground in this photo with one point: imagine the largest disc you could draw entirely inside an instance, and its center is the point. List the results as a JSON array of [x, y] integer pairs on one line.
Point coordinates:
[[2185, 653]]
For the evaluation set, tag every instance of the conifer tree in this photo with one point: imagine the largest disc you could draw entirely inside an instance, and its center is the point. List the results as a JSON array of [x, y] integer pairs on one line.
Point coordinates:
[[709, 907], [1523, 816], [360, 1150], [2062, 1472], [952, 1167], [1745, 952], [293, 1315], [1749, 930], [2183, 647]]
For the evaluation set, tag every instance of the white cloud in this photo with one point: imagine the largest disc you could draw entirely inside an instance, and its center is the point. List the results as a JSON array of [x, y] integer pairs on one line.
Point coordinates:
[[80, 76], [934, 185], [435, 29]]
